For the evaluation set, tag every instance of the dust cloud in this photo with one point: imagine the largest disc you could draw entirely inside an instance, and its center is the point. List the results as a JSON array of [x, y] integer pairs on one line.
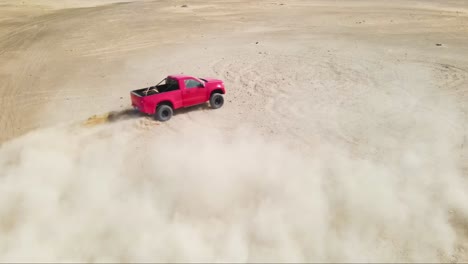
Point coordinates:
[[114, 192]]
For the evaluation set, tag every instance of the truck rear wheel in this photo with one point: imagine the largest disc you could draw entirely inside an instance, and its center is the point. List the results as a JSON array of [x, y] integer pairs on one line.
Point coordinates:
[[216, 100], [163, 113]]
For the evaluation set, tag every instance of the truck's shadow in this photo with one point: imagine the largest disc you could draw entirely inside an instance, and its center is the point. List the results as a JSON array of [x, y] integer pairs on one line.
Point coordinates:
[[200, 107]]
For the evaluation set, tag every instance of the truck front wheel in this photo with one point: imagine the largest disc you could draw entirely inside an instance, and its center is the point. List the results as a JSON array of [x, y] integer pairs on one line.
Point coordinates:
[[216, 100], [163, 113]]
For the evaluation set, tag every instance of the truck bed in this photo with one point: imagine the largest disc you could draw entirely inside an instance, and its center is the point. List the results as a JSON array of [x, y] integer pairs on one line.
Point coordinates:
[[153, 90]]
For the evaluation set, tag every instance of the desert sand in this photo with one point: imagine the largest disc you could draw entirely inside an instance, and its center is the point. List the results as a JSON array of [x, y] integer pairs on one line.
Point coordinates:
[[343, 137]]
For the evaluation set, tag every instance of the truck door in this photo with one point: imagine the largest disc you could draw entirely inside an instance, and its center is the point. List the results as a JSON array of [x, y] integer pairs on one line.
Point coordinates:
[[194, 92]]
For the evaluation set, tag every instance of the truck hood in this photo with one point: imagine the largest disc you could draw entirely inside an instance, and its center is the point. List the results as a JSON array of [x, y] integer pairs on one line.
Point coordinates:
[[212, 80]]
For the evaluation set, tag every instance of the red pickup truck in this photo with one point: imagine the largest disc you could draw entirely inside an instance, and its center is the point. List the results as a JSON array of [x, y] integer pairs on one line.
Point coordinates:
[[177, 91]]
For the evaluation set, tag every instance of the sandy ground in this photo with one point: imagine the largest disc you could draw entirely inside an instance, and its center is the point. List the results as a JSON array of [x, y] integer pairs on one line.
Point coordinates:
[[343, 136]]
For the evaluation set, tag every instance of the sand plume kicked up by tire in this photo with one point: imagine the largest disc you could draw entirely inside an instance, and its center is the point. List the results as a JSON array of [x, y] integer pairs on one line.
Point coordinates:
[[104, 194]]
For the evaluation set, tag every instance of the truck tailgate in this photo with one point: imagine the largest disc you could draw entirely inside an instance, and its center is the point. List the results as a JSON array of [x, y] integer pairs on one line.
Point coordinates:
[[136, 101]]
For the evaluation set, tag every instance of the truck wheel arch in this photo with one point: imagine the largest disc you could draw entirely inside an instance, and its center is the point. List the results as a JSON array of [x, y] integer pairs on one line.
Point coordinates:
[[216, 91], [169, 103]]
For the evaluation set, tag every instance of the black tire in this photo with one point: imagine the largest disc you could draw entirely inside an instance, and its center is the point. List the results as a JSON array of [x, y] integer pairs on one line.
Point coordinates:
[[216, 100], [164, 113]]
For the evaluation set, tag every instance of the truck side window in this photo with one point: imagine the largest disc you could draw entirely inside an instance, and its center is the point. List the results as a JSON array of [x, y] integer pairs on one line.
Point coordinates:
[[192, 84]]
